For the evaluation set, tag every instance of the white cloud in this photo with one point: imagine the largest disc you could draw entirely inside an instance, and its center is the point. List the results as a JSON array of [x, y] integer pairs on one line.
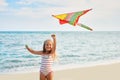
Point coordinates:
[[99, 7], [30, 12], [66, 6], [29, 2], [26, 2], [34, 1], [3, 5]]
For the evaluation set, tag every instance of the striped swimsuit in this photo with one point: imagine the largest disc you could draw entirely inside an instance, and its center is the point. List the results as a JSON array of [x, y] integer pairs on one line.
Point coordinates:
[[46, 64]]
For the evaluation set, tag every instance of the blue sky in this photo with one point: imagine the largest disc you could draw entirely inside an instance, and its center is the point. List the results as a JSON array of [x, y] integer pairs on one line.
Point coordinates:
[[35, 15]]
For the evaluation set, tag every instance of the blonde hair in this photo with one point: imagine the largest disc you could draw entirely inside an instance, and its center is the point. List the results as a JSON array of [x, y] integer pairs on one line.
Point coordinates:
[[44, 50]]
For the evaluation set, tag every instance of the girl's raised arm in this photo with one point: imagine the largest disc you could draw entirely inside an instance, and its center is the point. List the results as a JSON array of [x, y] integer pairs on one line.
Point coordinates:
[[53, 52], [54, 43], [33, 51]]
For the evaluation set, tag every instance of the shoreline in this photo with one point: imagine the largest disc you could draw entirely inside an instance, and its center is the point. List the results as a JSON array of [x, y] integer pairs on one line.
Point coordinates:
[[97, 72], [66, 67]]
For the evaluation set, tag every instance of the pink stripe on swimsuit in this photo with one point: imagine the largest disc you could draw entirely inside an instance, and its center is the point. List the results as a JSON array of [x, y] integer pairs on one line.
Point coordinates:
[[46, 64]]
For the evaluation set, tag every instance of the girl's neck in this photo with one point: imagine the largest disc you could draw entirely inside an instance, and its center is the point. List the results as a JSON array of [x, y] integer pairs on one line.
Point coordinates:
[[47, 52]]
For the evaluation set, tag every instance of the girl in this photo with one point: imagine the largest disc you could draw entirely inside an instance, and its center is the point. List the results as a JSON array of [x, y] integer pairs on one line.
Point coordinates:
[[48, 55]]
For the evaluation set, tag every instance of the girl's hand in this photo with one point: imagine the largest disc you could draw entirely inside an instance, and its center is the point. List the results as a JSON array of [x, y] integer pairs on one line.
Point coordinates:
[[53, 35]]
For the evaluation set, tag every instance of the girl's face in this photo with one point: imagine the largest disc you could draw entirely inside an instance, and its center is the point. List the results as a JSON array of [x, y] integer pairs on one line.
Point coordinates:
[[48, 45]]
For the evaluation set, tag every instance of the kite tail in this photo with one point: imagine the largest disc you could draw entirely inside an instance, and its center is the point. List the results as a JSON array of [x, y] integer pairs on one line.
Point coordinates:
[[84, 26]]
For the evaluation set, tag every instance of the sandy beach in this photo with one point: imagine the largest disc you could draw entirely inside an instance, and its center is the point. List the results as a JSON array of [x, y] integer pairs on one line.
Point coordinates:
[[98, 72]]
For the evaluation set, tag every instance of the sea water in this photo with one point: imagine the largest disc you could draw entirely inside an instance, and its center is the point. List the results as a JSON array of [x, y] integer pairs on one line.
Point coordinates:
[[73, 48]]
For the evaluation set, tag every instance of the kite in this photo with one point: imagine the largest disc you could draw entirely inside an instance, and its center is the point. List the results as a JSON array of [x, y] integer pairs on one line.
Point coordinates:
[[72, 18]]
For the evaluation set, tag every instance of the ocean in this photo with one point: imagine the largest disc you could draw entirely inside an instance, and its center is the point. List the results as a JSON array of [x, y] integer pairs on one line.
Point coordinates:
[[74, 48]]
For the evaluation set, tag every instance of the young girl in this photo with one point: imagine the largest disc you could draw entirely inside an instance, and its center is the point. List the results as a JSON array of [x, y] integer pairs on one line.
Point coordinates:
[[48, 55]]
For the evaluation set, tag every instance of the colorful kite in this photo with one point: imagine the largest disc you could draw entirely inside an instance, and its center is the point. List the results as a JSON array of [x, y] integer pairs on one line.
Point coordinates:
[[72, 18]]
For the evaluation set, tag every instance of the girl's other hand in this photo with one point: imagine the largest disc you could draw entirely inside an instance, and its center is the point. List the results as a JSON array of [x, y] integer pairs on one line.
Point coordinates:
[[26, 46]]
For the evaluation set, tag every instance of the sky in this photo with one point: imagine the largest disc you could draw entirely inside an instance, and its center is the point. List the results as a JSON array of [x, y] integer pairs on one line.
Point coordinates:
[[35, 15]]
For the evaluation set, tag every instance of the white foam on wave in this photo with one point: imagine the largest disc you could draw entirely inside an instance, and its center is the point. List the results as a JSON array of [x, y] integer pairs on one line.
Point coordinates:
[[63, 67]]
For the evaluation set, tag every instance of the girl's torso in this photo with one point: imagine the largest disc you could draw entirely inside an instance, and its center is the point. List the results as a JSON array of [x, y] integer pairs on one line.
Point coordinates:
[[46, 64], [47, 61]]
